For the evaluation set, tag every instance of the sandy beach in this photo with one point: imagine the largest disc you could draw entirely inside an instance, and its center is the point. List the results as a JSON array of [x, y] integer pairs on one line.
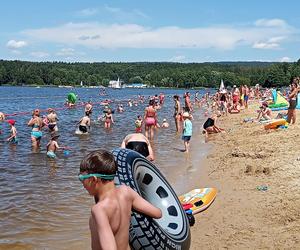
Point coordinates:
[[246, 157]]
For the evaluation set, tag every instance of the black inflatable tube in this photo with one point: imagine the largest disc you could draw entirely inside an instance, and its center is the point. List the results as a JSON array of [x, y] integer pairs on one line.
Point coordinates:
[[172, 231]]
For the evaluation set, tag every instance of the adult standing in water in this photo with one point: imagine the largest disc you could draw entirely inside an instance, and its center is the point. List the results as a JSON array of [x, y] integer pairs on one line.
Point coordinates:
[[188, 104], [36, 123], [52, 120], [177, 113], [150, 119]]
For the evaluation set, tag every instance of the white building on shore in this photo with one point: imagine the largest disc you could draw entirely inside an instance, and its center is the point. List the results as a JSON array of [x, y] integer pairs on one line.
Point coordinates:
[[115, 84]]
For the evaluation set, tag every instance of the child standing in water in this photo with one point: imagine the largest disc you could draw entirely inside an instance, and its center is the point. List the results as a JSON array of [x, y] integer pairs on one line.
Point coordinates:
[[138, 124], [52, 146], [110, 216], [13, 132], [187, 130]]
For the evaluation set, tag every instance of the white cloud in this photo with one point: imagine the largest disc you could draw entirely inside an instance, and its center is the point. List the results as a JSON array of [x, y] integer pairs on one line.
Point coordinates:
[[66, 52], [271, 23], [13, 44], [285, 59], [178, 58], [265, 45], [39, 54], [88, 12], [271, 43], [96, 35], [112, 9]]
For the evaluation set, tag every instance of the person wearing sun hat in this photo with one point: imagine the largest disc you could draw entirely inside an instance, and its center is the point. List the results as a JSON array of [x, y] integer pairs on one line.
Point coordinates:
[[52, 145], [13, 132], [187, 130]]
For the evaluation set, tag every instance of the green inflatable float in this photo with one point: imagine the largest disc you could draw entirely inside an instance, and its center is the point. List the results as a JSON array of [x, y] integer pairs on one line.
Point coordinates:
[[72, 98]]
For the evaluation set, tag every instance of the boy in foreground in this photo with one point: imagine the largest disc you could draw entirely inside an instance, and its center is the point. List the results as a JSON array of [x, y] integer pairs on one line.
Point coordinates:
[[110, 216]]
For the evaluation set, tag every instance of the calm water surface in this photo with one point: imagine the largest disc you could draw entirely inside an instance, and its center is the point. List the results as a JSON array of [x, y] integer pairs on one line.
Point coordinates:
[[42, 204]]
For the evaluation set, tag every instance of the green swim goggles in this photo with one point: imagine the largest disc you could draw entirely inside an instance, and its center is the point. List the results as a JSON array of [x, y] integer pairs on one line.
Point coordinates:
[[83, 177]]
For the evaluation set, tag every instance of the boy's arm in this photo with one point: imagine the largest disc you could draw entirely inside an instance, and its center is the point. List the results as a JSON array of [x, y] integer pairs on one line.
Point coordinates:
[[104, 232], [143, 206]]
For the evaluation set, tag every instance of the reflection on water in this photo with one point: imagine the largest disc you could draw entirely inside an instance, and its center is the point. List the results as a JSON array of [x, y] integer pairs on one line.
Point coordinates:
[[42, 204]]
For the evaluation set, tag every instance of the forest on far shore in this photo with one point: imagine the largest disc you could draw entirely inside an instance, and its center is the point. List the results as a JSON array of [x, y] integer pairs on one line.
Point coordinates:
[[159, 74]]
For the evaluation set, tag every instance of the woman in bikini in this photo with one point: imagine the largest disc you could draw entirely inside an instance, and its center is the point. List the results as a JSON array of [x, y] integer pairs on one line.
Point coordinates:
[[293, 102], [150, 119], [108, 119], [36, 123], [177, 113]]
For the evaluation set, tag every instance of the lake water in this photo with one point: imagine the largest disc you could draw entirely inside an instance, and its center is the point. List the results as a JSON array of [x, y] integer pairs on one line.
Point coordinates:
[[42, 203]]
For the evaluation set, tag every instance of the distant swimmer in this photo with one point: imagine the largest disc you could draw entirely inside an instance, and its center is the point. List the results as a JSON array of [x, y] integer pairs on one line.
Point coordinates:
[[37, 124], [164, 124], [84, 125], [88, 108], [177, 113], [52, 146], [13, 132], [139, 143], [52, 120], [120, 108], [2, 118]]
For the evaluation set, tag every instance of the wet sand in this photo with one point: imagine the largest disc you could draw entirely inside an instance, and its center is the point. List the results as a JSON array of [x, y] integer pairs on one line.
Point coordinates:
[[243, 217]]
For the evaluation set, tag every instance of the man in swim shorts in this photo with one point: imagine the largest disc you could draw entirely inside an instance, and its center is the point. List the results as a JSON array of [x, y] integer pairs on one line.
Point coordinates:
[[84, 124], [139, 143]]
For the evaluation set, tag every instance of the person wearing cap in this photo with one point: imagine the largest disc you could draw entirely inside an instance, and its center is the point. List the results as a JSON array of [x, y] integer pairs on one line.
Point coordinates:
[[13, 132], [187, 130], [36, 123], [52, 120], [165, 124], [52, 146], [264, 113]]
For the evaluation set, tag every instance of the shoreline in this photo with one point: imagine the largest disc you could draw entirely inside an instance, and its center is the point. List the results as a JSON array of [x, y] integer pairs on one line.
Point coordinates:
[[243, 217]]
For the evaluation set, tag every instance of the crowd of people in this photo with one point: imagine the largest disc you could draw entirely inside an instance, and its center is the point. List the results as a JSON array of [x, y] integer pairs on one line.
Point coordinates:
[[111, 214]]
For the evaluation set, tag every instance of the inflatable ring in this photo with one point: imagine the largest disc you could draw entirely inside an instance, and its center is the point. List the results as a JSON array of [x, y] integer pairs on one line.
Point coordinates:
[[172, 231], [72, 98]]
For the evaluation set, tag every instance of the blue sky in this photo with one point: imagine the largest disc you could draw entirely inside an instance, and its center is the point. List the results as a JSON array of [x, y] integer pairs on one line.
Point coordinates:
[[139, 30]]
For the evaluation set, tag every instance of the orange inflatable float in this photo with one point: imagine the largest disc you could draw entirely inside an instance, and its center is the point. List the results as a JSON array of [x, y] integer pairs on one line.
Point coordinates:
[[275, 123]]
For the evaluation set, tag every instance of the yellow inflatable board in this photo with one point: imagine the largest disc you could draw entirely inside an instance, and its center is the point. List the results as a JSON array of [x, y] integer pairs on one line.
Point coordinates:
[[198, 199], [275, 123]]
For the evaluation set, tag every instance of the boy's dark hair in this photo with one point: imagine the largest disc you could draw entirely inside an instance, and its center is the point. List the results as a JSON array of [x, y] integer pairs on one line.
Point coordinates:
[[98, 162]]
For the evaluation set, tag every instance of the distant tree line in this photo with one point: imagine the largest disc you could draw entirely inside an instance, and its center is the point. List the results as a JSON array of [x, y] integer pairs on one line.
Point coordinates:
[[160, 74]]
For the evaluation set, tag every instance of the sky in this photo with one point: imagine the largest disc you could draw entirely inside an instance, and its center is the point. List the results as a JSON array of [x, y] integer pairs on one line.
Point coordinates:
[[150, 31]]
